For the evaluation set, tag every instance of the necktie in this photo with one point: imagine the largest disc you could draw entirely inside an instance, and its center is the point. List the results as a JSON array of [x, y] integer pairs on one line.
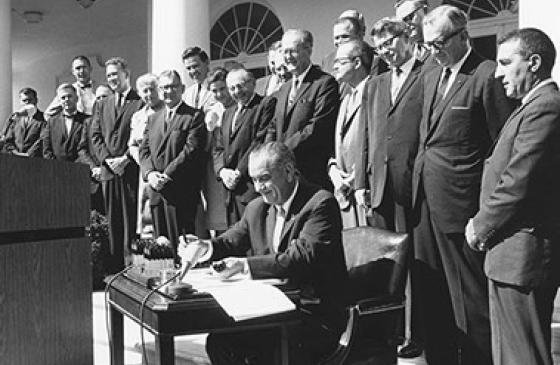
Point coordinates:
[[118, 98], [442, 86], [396, 83], [293, 91], [236, 116], [197, 96], [168, 117], [280, 220]]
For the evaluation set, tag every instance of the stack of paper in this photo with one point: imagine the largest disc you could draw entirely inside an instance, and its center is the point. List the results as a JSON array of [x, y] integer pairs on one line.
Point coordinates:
[[242, 298]]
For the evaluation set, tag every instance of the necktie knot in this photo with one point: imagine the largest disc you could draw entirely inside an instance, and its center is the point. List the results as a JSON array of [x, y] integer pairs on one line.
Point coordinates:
[[398, 71]]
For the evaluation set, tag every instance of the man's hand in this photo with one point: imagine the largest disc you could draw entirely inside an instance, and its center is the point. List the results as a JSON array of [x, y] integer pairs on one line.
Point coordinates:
[[230, 177], [96, 173], [335, 174], [231, 266], [472, 240], [157, 180], [192, 250]]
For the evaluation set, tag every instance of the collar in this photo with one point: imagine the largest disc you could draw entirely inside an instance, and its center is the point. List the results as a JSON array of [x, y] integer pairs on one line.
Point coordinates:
[[359, 89], [174, 109], [303, 74], [125, 93], [70, 115], [84, 86], [241, 106], [407, 67], [457, 66], [535, 88], [286, 205]]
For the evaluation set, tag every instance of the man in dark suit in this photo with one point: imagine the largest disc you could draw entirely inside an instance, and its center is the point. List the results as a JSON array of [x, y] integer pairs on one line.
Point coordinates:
[[23, 131], [119, 171], [464, 109], [351, 67], [243, 126], [392, 111], [517, 223], [292, 231], [171, 159], [62, 133], [306, 110]]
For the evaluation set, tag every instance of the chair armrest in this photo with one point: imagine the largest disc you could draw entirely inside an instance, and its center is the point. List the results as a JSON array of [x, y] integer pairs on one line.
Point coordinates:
[[379, 305]]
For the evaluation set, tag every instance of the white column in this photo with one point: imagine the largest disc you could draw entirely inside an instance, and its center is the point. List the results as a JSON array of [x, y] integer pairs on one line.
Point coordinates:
[[533, 13], [5, 61], [174, 26]]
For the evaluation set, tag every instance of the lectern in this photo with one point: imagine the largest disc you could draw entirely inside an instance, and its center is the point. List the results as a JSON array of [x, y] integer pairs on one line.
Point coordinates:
[[45, 271]]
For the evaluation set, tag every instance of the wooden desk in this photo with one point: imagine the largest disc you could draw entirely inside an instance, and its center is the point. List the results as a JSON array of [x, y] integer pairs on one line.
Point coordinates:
[[166, 318]]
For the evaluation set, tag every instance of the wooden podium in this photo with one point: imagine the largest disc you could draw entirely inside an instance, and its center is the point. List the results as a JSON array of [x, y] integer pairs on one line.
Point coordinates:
[[45, 272]]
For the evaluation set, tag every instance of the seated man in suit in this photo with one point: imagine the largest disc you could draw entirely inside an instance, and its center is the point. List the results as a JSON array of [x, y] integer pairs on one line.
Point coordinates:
[[171, 160], [243, 125], [292, 231], [63, 131], [23, 130], [517, 222]]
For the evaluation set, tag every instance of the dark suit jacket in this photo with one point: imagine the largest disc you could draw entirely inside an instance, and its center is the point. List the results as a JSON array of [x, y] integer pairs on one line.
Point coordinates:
[[518, 216], [455, 138], [57, 143], [307, 127], [232, 149], [86, 151], [310, 251], [27, 138], [176, 150], [111, 129], [392, 136]]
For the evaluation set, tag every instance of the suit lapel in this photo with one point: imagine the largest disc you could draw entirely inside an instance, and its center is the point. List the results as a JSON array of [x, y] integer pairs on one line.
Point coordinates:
[[282, 106], [296, 206], [270, 223], [412, 76]]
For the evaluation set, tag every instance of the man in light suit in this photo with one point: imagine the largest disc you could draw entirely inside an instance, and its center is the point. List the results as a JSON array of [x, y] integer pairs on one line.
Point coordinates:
[[292, 231], [306, 110], [62, 133], [351, 66], [517, 223], [196, 63], [22, 135], [119, 171], [464, 109], [171, 160], [243, 127]]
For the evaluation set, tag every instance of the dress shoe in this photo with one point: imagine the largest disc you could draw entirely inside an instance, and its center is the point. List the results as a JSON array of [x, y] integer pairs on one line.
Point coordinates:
[[410, 350]]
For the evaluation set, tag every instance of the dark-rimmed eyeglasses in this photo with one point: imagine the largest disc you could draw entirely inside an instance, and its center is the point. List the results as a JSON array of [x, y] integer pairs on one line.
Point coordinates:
[[387, 43], [408, 18], [438, 45]]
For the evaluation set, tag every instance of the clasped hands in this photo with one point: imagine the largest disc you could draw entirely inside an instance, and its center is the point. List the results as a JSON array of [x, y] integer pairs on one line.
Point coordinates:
[[117, 164], [157, 180], [343, 181], [192, 250], [230, 177]]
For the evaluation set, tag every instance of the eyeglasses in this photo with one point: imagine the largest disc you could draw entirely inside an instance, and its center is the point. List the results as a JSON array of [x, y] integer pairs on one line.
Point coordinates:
[[343, 60], [387, 43], [438, 45]]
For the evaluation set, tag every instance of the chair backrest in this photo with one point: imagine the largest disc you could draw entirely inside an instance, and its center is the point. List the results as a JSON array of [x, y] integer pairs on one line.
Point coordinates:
[[376, 260]]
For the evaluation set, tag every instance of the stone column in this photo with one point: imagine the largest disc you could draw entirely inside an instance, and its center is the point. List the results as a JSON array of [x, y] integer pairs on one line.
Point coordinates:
[[539, 14], [5, 61], [174, 26]]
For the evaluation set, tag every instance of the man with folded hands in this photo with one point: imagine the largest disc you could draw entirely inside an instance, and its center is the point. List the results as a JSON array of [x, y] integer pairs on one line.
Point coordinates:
[[293, 230]]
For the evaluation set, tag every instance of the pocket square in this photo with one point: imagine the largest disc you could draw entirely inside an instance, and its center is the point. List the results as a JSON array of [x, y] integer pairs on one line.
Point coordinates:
[[458, 107]]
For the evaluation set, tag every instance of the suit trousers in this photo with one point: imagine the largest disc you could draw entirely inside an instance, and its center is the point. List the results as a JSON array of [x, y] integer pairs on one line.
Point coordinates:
[[451, 287], [120, 194], [520, 319]]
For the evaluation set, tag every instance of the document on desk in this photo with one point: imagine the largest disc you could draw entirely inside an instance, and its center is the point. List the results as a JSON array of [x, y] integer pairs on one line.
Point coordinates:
[[245, 298]]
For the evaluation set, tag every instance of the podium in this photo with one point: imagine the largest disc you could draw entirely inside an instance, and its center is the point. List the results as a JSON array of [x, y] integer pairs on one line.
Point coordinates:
[[45, 270]]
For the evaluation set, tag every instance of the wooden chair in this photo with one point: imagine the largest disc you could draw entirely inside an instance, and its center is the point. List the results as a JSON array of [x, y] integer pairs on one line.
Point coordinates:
[[376, 260]]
